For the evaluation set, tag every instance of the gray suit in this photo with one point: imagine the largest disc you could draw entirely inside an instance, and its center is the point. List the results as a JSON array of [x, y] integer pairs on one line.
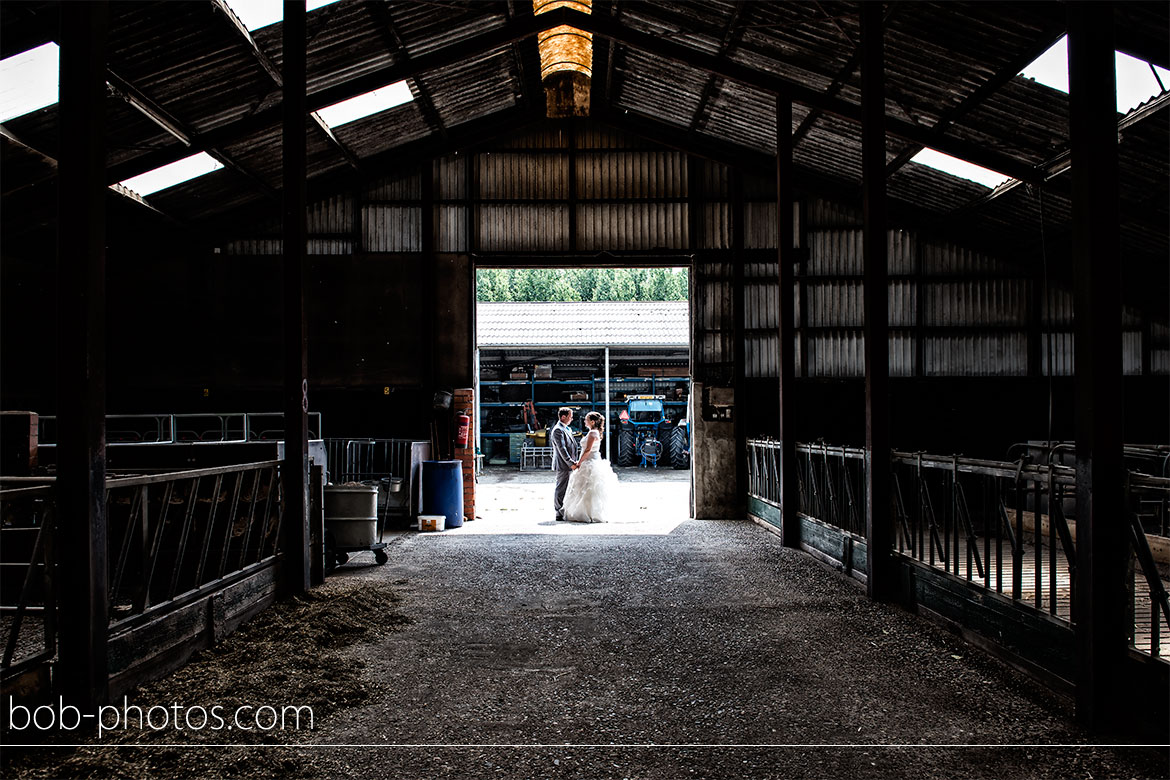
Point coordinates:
[[566, 450]]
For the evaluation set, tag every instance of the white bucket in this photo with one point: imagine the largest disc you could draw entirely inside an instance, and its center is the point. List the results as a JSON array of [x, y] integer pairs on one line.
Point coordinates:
[[431, 522]]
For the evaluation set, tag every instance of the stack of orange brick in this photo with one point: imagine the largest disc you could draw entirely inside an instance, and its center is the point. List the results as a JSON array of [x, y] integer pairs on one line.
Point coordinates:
[[464, 403]]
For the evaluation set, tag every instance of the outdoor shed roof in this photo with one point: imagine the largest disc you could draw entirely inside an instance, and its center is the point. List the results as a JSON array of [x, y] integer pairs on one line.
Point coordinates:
[[625, 323]]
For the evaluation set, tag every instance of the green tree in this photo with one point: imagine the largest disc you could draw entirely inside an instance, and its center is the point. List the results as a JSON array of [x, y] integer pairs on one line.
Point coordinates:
[[582, 284]]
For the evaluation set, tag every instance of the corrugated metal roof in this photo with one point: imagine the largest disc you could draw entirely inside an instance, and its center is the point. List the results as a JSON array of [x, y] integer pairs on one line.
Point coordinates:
[[188, 59], [610, 324]]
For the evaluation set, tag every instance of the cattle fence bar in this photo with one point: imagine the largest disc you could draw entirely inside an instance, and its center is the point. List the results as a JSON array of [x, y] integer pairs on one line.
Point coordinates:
[[172, 535], [28, 574], [764, 470], [1006, 527], [831, 482]]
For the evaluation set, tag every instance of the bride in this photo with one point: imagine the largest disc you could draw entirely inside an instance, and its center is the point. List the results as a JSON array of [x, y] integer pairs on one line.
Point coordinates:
[[592, 484]]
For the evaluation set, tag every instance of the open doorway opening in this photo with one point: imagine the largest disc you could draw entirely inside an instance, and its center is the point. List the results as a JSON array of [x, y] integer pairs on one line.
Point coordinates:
[[609, 341]]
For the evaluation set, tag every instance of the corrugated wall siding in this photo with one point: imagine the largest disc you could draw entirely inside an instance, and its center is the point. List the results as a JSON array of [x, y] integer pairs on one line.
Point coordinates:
[[953, 311]]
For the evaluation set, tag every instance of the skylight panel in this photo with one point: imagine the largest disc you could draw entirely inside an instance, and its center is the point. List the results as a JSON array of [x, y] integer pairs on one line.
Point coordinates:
[[364, 105], [260, 13], [1135, 80], [956, 167], [175, 173], [28, 81]]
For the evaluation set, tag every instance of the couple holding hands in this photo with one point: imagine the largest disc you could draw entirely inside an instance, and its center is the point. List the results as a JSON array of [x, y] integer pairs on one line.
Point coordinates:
[[586, 483]]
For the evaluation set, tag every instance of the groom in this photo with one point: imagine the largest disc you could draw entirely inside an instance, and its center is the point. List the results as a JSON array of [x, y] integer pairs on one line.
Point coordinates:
[[565, 454]]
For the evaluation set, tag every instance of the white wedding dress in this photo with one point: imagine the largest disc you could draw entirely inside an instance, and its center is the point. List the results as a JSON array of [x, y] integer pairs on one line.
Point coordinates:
[[592, 486]]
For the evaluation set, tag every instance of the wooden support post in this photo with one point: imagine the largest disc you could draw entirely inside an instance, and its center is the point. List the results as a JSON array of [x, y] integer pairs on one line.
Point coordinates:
[[739, 347], [571, 140], [295, 469], [785, 352], [430, 273], [878, 523], [82, 674], [1102, 549]]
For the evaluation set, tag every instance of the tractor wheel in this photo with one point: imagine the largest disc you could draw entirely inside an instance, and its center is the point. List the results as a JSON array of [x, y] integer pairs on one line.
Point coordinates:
[[679, 457], [625, 449]]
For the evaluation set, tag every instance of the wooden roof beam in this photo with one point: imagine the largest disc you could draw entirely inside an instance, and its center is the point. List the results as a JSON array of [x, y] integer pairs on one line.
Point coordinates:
[[1060, 162], [731, 34], [51, 161], [791, 90], [527, 56], [979, 95], [157, 114], [380, 14], [269, 116], [249, 43], [224, 11]]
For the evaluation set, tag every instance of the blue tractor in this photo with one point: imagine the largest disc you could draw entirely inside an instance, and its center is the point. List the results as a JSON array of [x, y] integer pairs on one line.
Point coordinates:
[[647, 437]]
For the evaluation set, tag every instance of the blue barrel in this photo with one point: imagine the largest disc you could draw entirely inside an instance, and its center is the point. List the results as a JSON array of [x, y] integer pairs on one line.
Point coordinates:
[[442, 490]]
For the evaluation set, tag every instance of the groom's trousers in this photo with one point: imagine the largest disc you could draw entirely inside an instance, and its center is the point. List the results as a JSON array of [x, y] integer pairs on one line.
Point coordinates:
[[559, 496]]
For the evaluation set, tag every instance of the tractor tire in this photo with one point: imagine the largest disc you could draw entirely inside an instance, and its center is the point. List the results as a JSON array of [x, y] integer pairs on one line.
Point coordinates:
[[679, 457], [625, 448]]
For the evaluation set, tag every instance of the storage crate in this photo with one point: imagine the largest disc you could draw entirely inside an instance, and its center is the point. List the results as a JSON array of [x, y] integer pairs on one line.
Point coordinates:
[[536, 459], [515, 446], [542, 371]]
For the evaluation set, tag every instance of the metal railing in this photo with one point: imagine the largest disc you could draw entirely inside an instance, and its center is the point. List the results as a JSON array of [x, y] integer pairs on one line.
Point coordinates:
[[365, 460], [1005, 527], [191, 427], [831, 481], [171, 534], [27, 573]]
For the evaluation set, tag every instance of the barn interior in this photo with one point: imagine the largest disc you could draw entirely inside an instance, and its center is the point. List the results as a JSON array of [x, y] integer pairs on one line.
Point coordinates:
[[1004, 349]]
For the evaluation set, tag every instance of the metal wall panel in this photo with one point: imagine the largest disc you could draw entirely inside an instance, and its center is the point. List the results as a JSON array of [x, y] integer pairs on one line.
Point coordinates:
[[516, 228], [977, 354], [760, 226], [329, 246], [266, 246], [824, 214], [835, 253], [715, 229], [902, 302], [611, 226], [396, 188], [1131, 352], [509, 175], [760, 353], [1056, 349], [1057, 309], [713, 313], [633, 174], [593, 136], [392, 228], [900, 250], [760, 289], [451, 223], [836, 303], [943, 259], [976, 302], [334, 215], [1159, 349], [715, 180], [901, 353], [548, 136], [451, 177], [838, 353]]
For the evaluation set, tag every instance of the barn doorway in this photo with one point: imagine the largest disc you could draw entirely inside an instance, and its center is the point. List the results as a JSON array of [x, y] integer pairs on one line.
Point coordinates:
[[609, 341]]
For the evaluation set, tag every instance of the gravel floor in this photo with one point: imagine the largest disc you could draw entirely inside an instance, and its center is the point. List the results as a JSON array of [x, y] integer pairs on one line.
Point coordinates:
[[649, 647], [655, 646]]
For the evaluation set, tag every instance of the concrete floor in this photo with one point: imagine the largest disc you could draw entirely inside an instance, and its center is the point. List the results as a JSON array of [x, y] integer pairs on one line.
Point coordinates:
[[658, 646]]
